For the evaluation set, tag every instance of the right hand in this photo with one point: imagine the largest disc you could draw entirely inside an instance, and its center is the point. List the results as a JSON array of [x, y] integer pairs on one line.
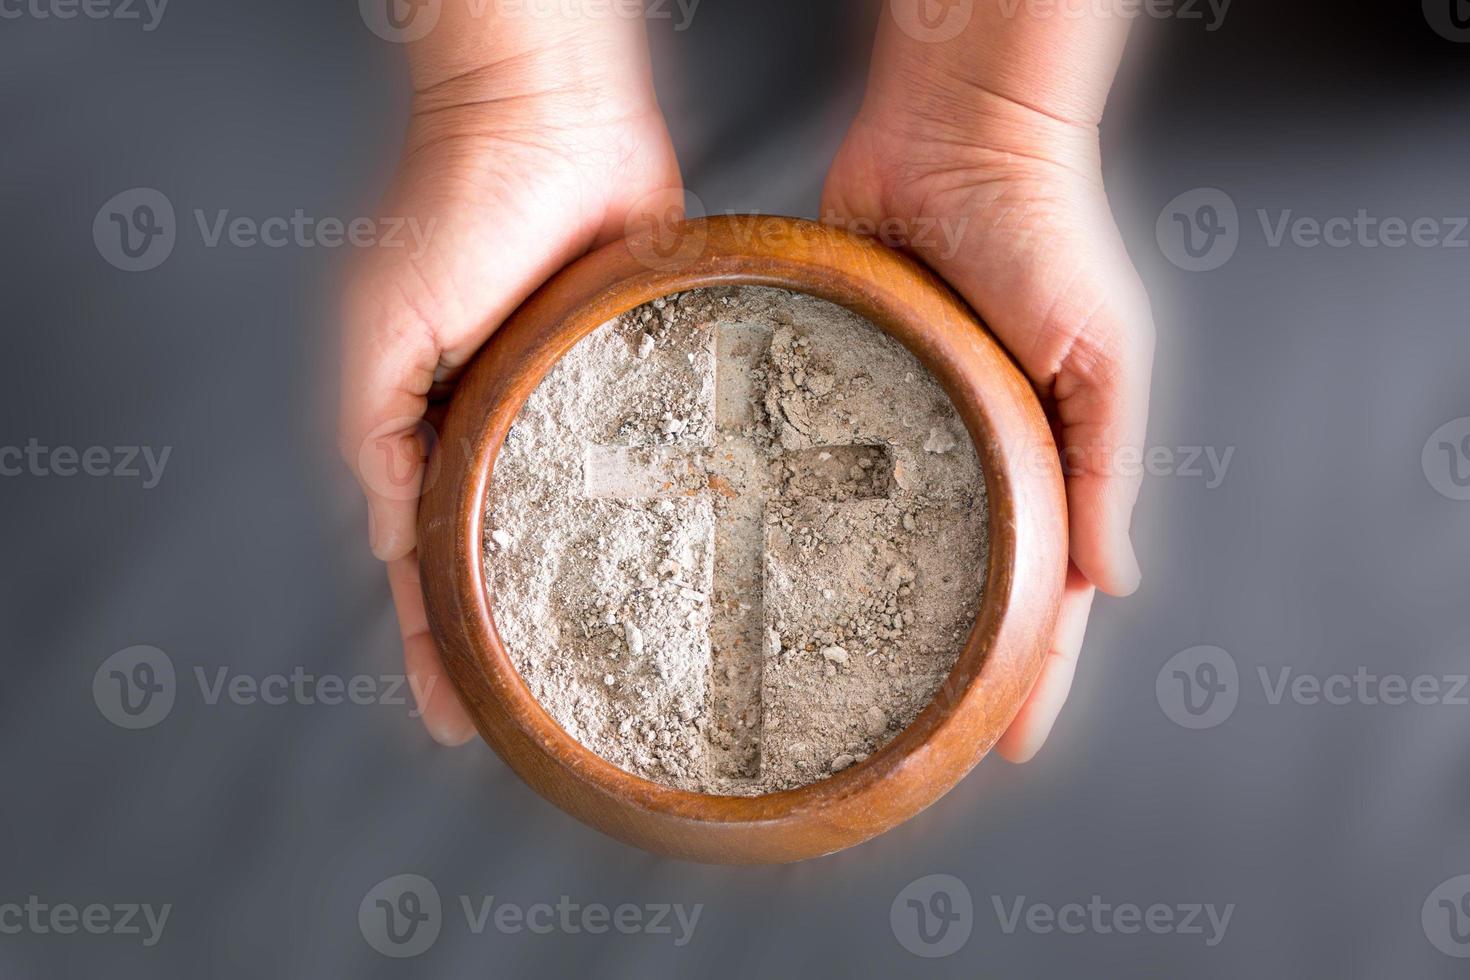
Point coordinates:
[[520, 168]]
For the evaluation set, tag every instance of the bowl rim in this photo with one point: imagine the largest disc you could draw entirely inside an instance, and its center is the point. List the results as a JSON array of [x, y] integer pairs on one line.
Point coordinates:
[[996, 666]]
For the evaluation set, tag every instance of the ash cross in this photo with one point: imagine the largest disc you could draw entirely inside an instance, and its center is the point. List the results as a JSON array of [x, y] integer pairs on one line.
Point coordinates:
[[743, 476]]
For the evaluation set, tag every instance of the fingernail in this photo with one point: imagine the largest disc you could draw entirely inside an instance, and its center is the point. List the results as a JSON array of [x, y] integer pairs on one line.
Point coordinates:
[[1131, 576], [450, 735], [1024, 755], [381, 537]]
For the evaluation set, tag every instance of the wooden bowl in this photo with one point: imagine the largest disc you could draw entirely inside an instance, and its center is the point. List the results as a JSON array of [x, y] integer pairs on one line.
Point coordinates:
[[1023, 584]]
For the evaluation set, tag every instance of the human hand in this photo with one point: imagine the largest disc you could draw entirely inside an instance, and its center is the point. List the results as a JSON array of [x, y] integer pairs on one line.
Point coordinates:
[[1005, 202], [512, 169]]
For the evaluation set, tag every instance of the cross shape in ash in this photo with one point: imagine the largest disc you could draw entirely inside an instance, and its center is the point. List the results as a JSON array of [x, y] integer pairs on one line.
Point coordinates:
[[742, 476]]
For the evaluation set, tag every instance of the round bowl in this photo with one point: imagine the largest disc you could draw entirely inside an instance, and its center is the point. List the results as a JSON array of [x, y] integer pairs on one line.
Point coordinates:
[[1023, 583]]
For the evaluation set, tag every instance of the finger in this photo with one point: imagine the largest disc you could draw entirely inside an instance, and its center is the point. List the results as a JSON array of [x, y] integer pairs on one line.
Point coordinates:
[[1069, 307], [1101, 395], [438, 704], [416, 320], [1029, 731], [1086, 338], [401, 339], [390, 355]]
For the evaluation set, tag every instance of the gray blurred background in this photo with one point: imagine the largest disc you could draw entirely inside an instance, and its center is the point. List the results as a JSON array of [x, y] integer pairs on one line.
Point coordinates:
[[1333, 543]]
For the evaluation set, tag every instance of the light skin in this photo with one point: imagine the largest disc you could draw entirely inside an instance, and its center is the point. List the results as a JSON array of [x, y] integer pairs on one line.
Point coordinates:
[[534, 140]]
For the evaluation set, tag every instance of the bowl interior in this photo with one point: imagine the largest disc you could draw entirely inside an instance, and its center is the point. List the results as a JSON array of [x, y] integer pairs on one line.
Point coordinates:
[[956, 373]]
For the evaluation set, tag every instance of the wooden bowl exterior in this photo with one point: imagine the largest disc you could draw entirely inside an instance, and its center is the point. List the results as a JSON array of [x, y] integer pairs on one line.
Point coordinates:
[[1027, 523]]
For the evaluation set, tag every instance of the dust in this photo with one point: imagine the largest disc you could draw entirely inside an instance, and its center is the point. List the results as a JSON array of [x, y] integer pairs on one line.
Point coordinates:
[[736, 540]]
